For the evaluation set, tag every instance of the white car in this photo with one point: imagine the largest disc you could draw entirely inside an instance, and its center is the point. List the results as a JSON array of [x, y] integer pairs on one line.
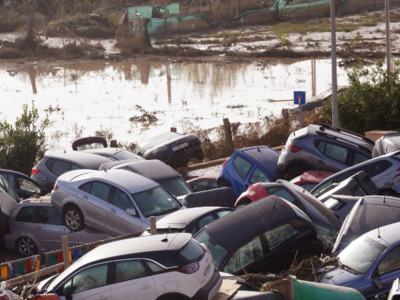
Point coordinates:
[[162, 267], [8, 202]]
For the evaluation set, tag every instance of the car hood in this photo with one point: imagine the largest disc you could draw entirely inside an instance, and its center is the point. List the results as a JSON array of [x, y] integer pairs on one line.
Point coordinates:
[[341, 277], [147, 220]]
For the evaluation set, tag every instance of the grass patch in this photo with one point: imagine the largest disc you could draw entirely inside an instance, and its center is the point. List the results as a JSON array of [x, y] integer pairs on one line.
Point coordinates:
[[301, 27]]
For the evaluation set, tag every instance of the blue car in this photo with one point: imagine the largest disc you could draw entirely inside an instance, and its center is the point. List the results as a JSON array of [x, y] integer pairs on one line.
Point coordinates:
[[370, 263], [247, 166]]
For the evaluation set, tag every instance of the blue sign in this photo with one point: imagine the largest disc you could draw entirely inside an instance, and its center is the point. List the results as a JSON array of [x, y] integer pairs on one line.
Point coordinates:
[[299, 97]]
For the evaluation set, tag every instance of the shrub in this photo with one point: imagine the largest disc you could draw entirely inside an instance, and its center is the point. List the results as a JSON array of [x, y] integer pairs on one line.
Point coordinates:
[[371, 102], [22, 142]]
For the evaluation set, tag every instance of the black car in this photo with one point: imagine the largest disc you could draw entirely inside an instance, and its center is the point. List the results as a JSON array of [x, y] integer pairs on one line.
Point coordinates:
[[190, 220], [24, 186], [263, 236], [155, 170], [56, 163], [172, 148], [93, 142]]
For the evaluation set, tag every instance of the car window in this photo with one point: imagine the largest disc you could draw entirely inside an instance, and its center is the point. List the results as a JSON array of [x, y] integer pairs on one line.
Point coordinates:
[[201, 185], [75, 167], [27, 185], [258, 176], [279, 235], [10, 178], [206, 220], [213, 184], [176, 186], [282, 193], [10, 191], [244, 256], [49, 215], [322, 186], [100, 190], [359, 158], [242, 166], [321, 146], [223, 213], [121, 200], [86, 187], [336, 152], [391, 261], [308, 186], [154, 268], [26, 214], [60, 167], [88, 279], [125, 154], [128, 270], [189, 253]]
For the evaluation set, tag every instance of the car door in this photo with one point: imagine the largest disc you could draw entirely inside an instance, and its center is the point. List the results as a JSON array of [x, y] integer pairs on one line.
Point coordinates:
[[26, 187], [93, 198], [10, 177], [330, 156], [240, 178], [91, 283], [282, 192], [118, 220], [386, 271], [132, 281]]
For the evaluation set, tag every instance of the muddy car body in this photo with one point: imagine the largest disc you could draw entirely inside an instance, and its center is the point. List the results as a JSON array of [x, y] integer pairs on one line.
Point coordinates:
[[368, 213], [370, 263], [115, 201], [324, 148], [247, 166], [383, 171], [172, 148], [261, 237], [323, 218], [24, 186]]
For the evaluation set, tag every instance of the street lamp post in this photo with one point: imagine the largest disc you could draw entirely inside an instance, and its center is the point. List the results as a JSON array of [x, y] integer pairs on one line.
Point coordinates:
[[237, 13], [335, 118], [388, 43]]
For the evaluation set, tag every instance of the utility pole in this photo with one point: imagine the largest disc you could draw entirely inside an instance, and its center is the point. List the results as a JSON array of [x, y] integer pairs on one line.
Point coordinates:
[[237, 13], [335, 119], [388, 43]]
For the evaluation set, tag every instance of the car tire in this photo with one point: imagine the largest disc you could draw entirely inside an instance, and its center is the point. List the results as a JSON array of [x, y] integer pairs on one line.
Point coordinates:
[[294, 172], [199, 154], [25, 246], [73, 218]]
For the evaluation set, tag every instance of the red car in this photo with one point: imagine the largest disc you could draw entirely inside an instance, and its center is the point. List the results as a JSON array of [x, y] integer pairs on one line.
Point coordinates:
[[204, 183], [260, 190]]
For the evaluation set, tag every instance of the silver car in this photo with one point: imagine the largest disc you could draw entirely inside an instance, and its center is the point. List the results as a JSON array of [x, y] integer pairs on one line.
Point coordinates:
[[323, 148], [36, 227], [115, 201]]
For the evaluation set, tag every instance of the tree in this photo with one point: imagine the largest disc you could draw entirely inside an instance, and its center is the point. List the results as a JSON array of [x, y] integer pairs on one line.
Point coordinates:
[[372, 102], [21, 143]]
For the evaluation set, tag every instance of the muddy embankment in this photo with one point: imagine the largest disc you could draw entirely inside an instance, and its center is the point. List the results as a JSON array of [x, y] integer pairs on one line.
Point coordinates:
[[294, 29]]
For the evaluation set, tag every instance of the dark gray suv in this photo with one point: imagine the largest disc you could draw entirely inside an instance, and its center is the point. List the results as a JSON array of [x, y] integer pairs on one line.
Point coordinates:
[[56, 163], [323, 148]]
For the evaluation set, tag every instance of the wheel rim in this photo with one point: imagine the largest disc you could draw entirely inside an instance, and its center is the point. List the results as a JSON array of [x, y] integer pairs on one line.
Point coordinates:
[[72, 219], [26, 246]]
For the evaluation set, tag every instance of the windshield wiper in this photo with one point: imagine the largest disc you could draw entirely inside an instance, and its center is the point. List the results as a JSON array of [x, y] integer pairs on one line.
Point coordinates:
[[343, 266]]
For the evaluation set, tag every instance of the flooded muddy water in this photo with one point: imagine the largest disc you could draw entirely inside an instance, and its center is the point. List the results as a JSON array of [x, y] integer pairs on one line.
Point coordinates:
[[138, 100]]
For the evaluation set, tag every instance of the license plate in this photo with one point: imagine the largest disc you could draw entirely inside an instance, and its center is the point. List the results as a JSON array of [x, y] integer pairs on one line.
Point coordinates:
[[179, 147]]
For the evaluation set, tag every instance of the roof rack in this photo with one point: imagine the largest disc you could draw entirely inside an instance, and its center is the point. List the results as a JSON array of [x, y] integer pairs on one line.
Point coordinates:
[[341, 138], [349, 132]]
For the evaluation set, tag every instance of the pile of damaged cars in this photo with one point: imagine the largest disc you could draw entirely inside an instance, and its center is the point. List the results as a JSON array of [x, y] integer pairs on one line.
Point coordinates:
[[325, 205]]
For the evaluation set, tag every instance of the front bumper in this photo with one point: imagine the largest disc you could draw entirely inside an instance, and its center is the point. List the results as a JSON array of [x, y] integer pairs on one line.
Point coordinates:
[[210, 289]]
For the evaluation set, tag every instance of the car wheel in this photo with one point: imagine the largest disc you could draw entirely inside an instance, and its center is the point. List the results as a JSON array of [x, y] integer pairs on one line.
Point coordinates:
[[73, 218], [199, 154], [294, 172], [26, 247]]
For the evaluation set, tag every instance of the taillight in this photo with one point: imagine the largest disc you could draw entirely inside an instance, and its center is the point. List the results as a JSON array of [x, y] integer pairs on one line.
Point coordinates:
[[294, 148], [225, 162], [189, 269], [55, 187], [35, 171], [8, 229]]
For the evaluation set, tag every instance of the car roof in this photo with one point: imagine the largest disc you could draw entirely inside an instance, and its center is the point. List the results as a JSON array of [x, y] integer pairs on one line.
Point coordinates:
[[265, 156], [132, 182], [186, 216], [389, 233], [233, 229], [154, 169], [87, 160], [12, 171], [107, 150]]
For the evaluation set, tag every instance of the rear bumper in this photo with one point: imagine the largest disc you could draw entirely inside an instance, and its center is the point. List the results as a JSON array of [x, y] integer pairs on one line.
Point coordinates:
[[210, 289]]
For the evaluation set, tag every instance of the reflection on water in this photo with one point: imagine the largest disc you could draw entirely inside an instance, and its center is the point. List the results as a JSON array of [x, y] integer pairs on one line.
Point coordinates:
[[182, 95]]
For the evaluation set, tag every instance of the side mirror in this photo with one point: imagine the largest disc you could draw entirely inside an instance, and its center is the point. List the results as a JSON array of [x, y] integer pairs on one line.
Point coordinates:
[[194, 189], [378, 283], [132, 212], [69, 290]]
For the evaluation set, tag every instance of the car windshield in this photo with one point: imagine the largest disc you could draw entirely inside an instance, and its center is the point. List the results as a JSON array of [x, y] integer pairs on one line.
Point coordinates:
[[217, 251], [125, 154], [176, 186], [94, 145], [155, 202], [158, 140], [361, 254], [8, 189]]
